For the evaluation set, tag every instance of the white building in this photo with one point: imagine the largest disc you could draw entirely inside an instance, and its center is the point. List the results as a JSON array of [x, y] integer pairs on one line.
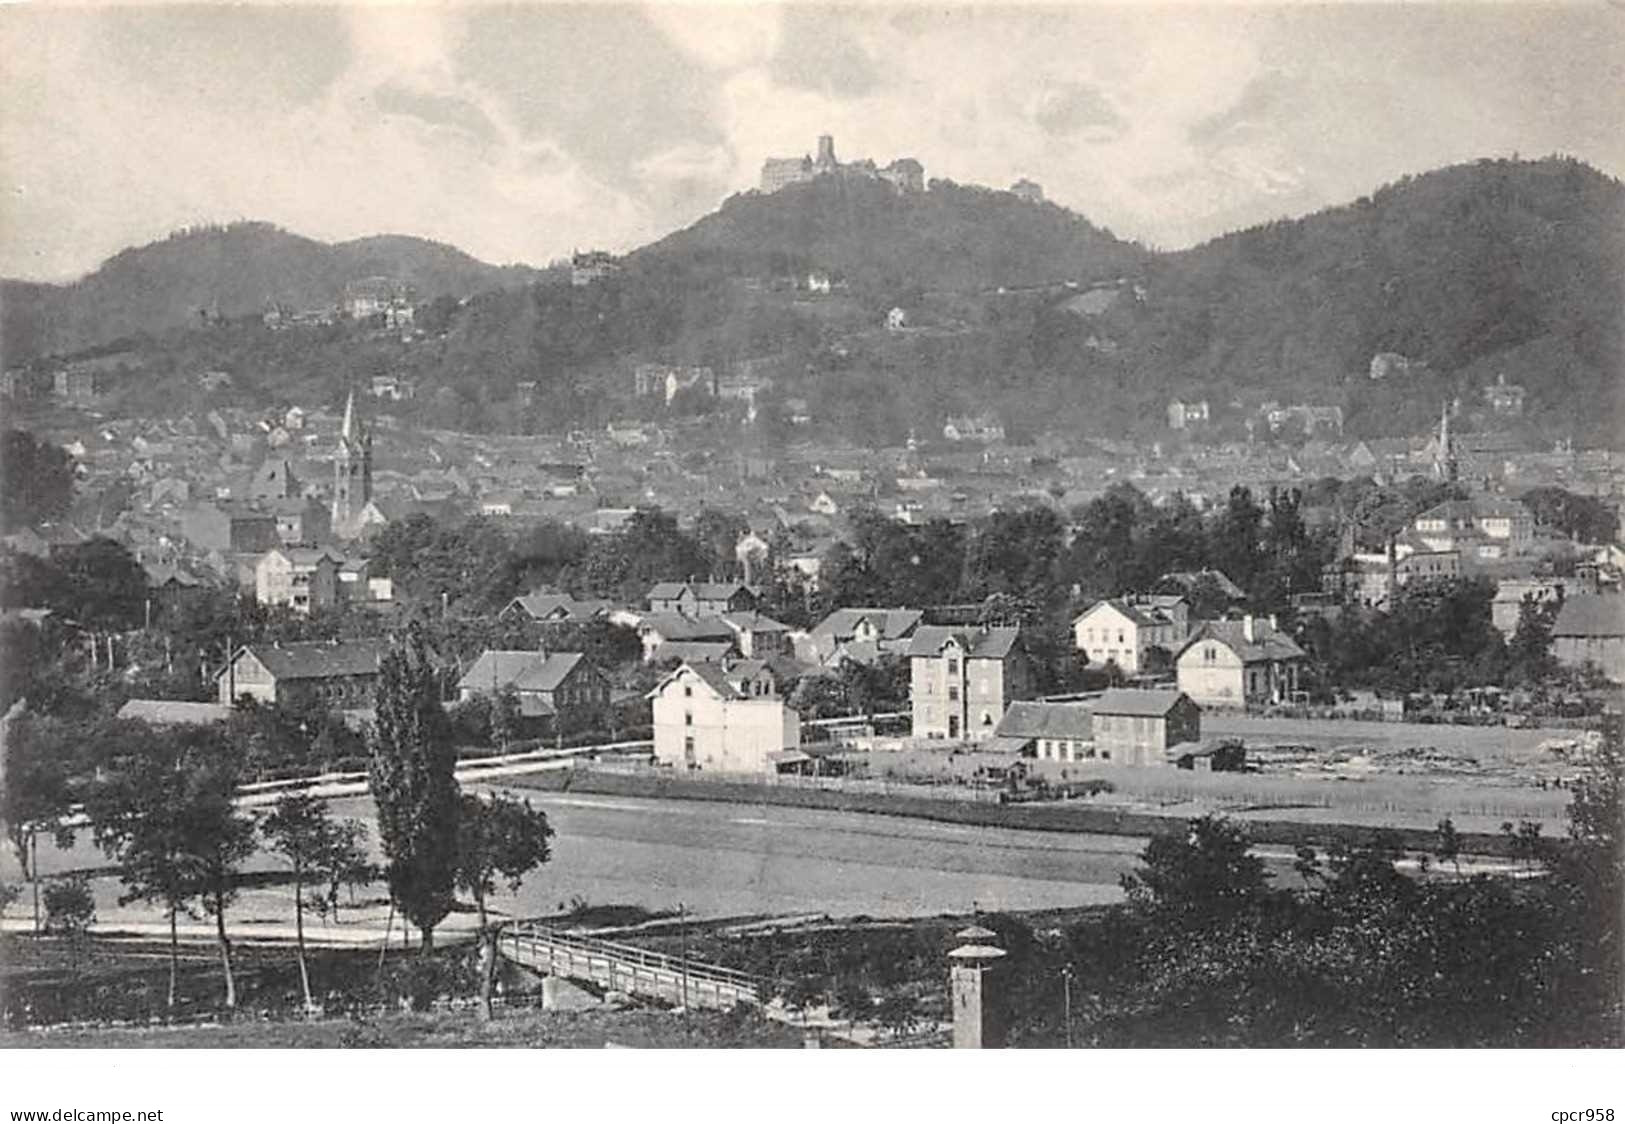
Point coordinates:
[[1122, 629], [722, 717]]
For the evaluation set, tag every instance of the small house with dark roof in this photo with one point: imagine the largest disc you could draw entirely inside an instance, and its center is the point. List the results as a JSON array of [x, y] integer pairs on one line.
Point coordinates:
[[758, 637], [1239, 663], [1590, 629], [860, 634], [722, 717], [1188, 581], [657, 631], [962, 679], [698, 599], [341, 674], [545, 607], [563, 687], [172, 712], [1049, 731], [1142, 727]]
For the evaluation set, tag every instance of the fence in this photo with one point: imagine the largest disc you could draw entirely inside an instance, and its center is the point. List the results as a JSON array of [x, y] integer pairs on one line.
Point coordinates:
[[628, 968], [699, 780]]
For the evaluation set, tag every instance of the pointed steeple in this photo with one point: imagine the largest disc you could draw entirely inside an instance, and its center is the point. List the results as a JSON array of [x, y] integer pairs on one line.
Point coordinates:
[[347, 430]]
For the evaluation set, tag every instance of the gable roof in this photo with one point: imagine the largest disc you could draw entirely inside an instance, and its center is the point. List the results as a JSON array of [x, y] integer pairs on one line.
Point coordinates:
[[1137, 703], [676, 626], [1027, 720], [724, 679], [1590, 615], [992, 644], [1268, 645], [695, 651], [541, 605], [753, 622], [703, 591], [316, 659], [170, 712], [523, 671], [892, 624], [1187, 580]]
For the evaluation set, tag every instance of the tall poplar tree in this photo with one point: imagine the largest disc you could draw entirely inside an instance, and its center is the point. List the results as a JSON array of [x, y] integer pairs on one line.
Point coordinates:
[[410, 775]]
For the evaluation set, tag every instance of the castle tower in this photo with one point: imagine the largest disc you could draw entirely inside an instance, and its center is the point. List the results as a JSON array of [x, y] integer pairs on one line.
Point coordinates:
[[826, 161], [352, 472]]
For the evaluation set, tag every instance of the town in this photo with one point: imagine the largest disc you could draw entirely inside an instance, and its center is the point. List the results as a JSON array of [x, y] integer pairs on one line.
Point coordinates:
[[345, 616]]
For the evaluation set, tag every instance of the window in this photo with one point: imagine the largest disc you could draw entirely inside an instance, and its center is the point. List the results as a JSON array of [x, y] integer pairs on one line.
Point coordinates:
[[953, 692], [688, 720], [688, 690], [953, 666]]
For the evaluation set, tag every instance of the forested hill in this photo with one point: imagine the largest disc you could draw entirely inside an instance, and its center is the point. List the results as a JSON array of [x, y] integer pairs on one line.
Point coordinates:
[[226, 271], [1496, 268], [1500, 267], [952, 238]]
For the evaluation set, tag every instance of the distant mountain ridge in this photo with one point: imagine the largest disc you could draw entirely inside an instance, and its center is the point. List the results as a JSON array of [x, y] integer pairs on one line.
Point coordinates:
[[230, 271], [1495, 269]]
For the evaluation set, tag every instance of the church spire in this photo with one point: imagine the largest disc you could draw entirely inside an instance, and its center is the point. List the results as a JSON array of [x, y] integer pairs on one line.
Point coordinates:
[[347, 430]]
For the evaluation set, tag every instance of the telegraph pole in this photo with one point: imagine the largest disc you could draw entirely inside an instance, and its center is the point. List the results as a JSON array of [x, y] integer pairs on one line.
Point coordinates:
[[682, 924], [1066, 985]]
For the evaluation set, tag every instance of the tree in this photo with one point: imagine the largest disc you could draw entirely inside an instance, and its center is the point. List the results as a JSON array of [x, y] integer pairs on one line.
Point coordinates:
[[34, 792], [298, 829], [36, 480], [412, 783], [1447, 845], [69, 910], [1197, 879], [103, 586], [496, 836], [341, 862], [165, 811]]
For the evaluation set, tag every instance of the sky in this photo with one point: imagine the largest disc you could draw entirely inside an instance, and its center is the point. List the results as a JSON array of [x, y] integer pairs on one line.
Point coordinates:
[[522, 132]]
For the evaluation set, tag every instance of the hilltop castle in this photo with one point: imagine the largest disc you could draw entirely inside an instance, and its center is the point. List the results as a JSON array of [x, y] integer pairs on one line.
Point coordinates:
[[904, 175]]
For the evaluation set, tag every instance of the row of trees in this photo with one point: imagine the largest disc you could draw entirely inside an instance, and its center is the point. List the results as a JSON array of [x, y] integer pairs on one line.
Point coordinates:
[[165, 807]]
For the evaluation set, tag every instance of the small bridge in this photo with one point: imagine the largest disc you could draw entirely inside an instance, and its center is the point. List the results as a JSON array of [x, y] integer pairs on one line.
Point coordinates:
[[627, 968]]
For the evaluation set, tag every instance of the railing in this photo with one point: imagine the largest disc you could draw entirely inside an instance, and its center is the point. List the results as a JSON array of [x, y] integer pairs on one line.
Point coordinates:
[[630, 968]]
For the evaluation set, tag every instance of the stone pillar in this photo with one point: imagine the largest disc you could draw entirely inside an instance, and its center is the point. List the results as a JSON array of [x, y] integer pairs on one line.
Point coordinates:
[[973, 984]]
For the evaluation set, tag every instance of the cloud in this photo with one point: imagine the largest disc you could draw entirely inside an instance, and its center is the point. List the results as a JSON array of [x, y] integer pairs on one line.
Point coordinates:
[[518, 132], [1077, 109], [818, 51]]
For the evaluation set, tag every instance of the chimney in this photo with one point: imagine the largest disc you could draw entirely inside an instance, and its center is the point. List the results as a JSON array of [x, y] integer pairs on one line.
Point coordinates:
[[1248, 631]]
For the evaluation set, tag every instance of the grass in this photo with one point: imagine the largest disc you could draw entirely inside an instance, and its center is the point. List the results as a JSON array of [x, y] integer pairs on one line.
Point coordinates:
[[111, 993], [531, 1029]]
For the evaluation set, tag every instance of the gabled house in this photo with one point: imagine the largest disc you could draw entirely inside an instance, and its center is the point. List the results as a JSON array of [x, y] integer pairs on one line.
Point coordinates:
[[962, 679], [563, 688], [1188, 581], [340, 674], [301, 578], [1590, 629], [697, 599], [659, 631], [1122, 630], [1239, 663], [758, 637], [171, 587], [1049, 731], [1142, 727], [722, 717], [545, 607], [860, 634], [1483, 527]]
